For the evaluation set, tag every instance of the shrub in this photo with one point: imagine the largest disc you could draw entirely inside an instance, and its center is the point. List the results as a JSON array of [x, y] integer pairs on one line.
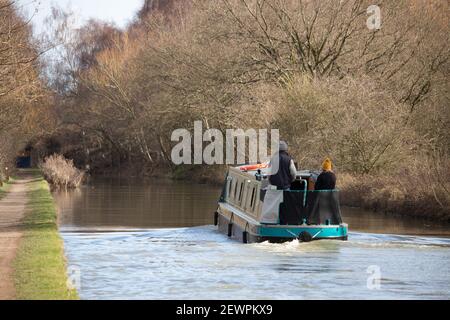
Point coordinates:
[[421, 190], [61, 172]]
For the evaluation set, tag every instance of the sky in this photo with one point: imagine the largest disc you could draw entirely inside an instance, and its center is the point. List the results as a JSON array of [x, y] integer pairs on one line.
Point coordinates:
[[118, 11]]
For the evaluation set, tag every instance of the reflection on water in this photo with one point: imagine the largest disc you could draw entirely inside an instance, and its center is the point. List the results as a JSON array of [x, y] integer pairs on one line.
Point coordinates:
[[113, 203], [117, 203], [165, 251]]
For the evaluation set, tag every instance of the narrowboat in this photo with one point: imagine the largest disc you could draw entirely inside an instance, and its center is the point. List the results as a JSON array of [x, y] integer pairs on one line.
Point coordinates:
[[251, 210]]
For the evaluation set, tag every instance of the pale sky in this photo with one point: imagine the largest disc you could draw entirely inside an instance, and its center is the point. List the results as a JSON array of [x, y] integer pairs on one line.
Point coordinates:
[[118, 11]]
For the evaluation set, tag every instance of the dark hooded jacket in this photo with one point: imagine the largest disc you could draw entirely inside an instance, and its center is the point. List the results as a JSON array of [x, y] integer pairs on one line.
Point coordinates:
[[283, 178]]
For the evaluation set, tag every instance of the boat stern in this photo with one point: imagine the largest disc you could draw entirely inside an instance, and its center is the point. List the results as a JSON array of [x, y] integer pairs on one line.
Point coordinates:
[[303, 232]]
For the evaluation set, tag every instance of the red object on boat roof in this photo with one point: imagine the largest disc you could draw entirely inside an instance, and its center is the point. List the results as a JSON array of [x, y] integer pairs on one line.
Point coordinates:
[[254, 167]]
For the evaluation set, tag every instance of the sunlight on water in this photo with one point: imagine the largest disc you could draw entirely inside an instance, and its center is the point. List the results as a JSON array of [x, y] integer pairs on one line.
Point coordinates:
[[200, 263]]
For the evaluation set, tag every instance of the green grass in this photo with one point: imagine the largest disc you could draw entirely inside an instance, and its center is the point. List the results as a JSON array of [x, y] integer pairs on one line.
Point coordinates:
[[40, 266], [5, 188]]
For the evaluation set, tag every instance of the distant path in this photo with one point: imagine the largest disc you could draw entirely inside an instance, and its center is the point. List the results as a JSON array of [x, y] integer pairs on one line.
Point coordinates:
[[12, 211]]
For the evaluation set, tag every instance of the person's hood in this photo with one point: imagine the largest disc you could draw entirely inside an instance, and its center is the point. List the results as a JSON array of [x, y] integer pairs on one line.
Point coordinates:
[[283, 146]]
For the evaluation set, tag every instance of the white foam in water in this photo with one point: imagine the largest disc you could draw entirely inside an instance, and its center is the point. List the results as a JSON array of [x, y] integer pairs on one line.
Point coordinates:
[[200, 263]]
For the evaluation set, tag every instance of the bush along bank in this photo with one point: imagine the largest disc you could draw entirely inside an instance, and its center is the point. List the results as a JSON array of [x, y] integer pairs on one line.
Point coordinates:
[[61, 173], [411, 195]]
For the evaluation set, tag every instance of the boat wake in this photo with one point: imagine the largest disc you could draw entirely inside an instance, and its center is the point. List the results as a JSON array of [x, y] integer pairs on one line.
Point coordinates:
[[391, 240], [207, 234], [201, 263]]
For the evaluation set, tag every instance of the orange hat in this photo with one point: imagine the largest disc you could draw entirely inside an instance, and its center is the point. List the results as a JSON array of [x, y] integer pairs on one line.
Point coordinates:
[[327, 165]]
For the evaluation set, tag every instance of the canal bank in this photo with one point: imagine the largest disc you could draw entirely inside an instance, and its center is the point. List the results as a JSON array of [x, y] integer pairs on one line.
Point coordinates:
[[32, 256], [412, 194]]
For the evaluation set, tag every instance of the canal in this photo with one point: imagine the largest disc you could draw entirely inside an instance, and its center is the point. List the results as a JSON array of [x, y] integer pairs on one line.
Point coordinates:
[[133, 239]]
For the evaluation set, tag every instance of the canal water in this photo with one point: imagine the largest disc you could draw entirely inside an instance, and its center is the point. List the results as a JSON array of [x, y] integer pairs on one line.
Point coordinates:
[[130, 239]]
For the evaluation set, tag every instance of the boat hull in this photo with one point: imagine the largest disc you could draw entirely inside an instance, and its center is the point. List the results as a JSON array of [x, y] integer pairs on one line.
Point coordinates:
[[244, 229]]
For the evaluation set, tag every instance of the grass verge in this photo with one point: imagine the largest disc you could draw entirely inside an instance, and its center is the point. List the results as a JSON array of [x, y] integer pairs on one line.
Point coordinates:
[[5, 188], [40, 266]]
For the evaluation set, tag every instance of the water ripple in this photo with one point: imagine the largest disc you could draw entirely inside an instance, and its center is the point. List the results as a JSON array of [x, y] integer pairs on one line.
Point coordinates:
[[200, 263]]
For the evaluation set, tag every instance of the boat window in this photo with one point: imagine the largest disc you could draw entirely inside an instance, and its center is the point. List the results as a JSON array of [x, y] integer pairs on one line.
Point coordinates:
[[235, 190], [230, 184], [252, 201], [233, 187], [240, 191]]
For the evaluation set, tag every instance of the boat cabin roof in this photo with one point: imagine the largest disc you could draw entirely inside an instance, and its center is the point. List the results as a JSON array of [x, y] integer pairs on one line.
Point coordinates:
[[250, 171]]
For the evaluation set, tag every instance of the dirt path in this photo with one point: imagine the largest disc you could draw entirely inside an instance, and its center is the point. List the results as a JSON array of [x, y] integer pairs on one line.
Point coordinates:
[[12, 210]]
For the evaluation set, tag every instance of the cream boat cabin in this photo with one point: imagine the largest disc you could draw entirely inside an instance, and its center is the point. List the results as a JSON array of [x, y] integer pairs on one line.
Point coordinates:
[[252, 210]]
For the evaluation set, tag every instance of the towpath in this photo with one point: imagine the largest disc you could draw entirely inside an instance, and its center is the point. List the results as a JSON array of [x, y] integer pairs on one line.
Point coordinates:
[[12, 212]]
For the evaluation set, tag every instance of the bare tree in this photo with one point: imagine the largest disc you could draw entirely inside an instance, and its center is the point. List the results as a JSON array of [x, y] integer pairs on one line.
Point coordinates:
[[24, 100]]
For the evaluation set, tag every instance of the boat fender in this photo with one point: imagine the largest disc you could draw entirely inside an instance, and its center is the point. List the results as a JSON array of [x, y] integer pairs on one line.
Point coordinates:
[[305, 236], [216, 218], [245, 234], [245, 237], [230, 225], [230, 229]]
